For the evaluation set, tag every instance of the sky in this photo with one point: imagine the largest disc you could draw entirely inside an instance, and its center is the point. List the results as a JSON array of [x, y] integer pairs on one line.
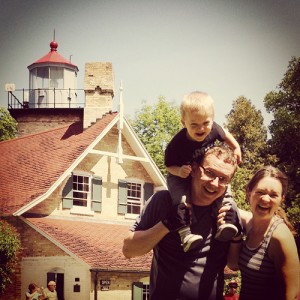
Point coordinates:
[[169, 48]]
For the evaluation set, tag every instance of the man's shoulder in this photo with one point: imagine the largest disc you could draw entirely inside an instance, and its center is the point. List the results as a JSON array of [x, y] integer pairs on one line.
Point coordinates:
[[162, 197], [155, 210]]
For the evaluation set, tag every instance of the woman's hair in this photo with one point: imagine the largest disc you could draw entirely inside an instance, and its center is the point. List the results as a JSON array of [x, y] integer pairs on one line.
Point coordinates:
[[270, 171], [32, 287], [198, 102]]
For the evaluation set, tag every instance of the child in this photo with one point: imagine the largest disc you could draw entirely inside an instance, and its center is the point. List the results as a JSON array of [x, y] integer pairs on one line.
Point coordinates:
[[199, 133]]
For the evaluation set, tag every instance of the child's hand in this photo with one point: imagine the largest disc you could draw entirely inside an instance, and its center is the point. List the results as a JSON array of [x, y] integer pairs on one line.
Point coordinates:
[[185, 171]]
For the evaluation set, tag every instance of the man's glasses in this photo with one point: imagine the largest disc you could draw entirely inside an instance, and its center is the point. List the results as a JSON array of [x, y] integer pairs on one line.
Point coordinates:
[[223, 181]]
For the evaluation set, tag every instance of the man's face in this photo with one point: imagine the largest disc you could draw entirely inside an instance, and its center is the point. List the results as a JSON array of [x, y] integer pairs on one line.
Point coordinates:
[[209, 180], [52, 287]]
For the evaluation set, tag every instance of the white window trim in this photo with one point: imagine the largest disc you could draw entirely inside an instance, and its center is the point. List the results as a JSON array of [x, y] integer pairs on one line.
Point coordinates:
[[81, 210], [141, 182]]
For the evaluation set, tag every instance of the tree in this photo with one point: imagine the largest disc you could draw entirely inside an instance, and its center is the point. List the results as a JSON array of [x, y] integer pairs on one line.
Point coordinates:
[[155, 126], [245, 122], [8, 125], [284, 103], [9, 248]]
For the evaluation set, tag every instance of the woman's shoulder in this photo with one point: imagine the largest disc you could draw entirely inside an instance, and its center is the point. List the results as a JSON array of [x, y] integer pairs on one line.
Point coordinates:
[[246, 217], [282, 242], [282, 233]]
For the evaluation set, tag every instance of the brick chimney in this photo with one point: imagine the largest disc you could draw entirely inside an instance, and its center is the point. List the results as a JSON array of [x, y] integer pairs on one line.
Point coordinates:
[[99, 91]]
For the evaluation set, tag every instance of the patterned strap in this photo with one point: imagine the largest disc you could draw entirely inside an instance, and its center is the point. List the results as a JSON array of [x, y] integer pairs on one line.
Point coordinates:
[[267, 238]]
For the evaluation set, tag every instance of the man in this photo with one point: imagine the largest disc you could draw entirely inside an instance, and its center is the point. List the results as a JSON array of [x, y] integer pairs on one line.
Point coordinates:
[[50, 292], [199, 273]]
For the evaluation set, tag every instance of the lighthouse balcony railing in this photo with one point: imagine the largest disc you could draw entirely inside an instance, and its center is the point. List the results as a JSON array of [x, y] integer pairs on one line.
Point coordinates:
[[46, 98]]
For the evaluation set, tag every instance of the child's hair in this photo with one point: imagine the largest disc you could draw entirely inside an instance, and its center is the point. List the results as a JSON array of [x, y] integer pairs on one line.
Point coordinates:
[[270, 171], [198, 102]]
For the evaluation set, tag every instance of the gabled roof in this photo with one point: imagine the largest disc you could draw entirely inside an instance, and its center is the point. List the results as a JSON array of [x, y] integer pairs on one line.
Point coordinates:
[[99, 245], [32, 164]]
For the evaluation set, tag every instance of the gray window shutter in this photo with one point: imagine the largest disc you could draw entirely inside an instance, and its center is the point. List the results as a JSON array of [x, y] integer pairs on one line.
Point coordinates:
[[96, 194], [67, 194], [122, 201], [148, 190], [137, 291]]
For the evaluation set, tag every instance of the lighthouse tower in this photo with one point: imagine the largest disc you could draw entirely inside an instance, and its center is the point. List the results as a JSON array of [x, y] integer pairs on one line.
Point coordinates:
[[51, 99], [52, 81]]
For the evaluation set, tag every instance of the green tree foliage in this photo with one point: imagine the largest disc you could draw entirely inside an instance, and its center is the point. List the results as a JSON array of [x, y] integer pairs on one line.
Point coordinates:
[[8, 125], [9, 247], [155, 126], [284, 103], [245, 123]]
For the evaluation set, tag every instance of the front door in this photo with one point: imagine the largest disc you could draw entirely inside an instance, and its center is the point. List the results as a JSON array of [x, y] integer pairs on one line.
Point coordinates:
[[59, 279]]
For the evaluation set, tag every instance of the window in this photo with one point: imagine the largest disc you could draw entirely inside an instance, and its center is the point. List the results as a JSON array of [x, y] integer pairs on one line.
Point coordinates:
[[140, 291], [56, 78], [132, 195], [146, 291], [134, 198], [84, 191], [42, 78], [81, 190]]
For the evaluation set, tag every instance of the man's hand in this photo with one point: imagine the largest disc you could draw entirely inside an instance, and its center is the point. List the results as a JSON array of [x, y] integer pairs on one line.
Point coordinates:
[[178, 217]]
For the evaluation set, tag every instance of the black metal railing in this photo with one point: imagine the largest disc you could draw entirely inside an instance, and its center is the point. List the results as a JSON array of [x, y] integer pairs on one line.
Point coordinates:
[[45, 98]]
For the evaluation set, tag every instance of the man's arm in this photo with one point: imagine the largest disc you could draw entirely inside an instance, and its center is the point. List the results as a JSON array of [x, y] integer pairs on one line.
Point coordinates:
[[138, 243]]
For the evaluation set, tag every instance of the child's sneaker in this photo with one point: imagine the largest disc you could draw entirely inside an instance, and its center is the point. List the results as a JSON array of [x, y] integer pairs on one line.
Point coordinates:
[[189, 241], [226, 232]]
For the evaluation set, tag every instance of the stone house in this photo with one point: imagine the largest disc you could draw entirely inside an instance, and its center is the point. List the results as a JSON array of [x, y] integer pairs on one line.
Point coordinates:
[[72, 184]]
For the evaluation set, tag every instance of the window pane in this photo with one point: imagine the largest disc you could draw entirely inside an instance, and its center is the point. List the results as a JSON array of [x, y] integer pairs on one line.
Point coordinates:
[[43, 77], [145, 291], [80, 190], [56, 78], [134, 195]]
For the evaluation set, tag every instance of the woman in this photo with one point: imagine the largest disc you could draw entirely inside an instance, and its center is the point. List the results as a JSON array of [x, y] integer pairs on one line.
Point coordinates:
[[35, 293], [268, 258]]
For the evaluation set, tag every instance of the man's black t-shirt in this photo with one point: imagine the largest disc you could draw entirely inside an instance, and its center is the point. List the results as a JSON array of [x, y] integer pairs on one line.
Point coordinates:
[[175, 274]]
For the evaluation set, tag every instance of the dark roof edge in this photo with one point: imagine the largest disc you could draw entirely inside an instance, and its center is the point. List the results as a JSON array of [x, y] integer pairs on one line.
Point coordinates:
[[117, 270]]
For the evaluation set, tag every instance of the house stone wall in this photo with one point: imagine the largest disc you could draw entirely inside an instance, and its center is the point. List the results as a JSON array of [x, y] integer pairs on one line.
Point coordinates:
[[32, 244], [36, 268], [38, 120], [120, 285]]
